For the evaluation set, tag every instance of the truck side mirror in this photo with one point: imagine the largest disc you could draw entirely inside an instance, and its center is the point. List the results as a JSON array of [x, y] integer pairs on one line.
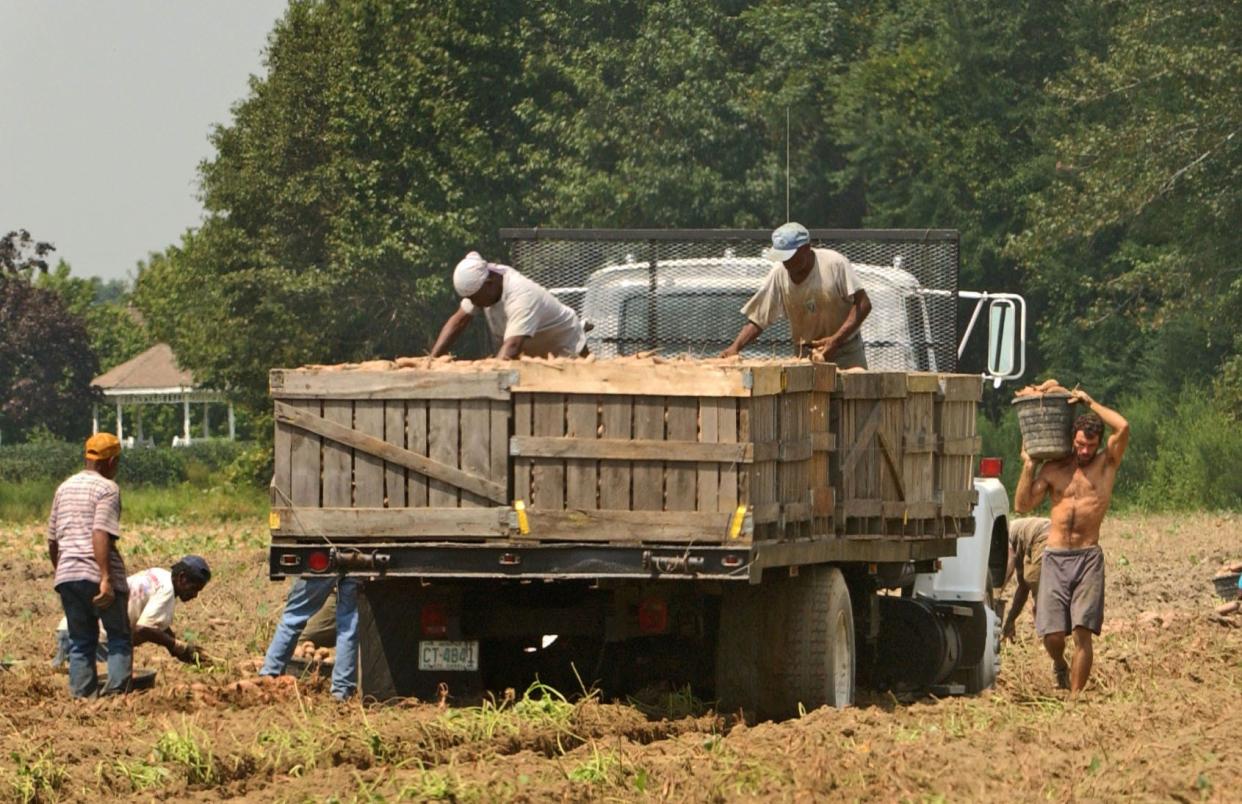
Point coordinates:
[[1002, 325]]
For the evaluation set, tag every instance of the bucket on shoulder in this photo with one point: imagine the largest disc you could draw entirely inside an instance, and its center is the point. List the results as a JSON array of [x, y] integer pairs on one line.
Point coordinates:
[[1045, 421]]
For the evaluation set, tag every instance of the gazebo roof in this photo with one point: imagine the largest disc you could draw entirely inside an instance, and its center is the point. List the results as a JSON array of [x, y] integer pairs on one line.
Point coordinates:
[[155, 370]]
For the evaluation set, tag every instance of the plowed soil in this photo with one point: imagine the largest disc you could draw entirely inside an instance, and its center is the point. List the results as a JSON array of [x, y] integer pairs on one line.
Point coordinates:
[[1159, 720]]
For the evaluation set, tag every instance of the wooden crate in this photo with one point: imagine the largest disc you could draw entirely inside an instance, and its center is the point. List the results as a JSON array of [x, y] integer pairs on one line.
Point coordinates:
[[719, 453], [387, 454], [906, 453]]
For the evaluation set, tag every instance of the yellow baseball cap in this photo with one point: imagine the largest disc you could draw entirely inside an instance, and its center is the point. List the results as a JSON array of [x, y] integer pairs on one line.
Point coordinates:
[[102, 446]]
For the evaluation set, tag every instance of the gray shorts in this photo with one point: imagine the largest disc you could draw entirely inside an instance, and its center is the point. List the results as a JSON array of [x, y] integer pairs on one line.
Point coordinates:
[[1071, 591]]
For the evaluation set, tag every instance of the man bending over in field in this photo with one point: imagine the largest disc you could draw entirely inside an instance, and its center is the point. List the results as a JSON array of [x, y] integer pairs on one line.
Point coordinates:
[[153, 595], [1071, 590], [1027, 538]]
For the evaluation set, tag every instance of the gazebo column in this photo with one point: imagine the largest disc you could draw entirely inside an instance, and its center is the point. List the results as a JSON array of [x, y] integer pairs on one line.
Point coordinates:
[[232, 424], [185, 419], [94, 418], [206, 424], [138, 423], [120, 425]]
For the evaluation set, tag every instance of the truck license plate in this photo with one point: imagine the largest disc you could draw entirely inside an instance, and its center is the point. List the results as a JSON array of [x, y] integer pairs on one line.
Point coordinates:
[[437, 654]]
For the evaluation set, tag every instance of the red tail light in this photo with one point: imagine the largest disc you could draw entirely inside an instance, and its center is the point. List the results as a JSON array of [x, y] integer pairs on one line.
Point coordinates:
[[318, 560], [990, 467], [434, 619], [652, 616]]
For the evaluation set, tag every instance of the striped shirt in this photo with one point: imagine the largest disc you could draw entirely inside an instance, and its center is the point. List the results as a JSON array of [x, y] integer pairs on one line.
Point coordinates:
[[86, 502]]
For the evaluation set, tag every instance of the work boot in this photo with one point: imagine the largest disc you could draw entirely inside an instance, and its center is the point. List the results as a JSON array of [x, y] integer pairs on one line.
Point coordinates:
[[1061, 671]]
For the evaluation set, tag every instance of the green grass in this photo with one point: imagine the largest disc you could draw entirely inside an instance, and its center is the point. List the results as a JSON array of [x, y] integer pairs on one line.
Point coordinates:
[[189, 748], [29, 501]]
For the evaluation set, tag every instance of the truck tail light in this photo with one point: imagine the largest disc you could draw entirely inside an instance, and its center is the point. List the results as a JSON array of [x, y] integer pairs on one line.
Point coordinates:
[[434, 619], [318, 560], [990, 467], [652, 616]]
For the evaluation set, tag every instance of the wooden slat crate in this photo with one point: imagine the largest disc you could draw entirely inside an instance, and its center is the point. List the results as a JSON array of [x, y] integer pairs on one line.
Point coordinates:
[[906, 450], [611, 450], [597, 451], [401, 453]]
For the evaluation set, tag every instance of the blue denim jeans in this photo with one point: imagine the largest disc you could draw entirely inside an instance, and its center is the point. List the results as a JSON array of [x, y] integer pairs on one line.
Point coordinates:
[[61, 659], [77, 598], [307, 596]]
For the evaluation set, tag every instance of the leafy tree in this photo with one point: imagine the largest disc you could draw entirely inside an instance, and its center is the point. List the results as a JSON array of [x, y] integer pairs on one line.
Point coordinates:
[[46, 363], [116, 330], [22, 255]]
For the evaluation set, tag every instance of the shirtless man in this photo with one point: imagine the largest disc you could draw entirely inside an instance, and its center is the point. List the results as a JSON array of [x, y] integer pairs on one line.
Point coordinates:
[[1071, 591]]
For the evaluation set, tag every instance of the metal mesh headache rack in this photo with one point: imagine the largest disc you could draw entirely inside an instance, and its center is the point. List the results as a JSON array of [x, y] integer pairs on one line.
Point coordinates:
[[680, 290]]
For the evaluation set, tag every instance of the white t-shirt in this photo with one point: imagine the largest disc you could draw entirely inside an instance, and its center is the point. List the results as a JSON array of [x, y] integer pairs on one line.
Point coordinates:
[[151, 600], [526, 309], [816, 307]]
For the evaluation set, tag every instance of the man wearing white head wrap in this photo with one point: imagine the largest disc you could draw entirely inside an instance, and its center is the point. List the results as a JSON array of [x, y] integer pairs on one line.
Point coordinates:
[[524, 318]]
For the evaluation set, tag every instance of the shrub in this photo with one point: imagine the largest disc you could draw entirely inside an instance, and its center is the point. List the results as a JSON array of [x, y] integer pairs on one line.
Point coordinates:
[[153, 466]]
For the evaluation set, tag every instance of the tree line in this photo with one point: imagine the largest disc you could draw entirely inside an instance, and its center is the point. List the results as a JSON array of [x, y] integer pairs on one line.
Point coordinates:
[[1089, 153]]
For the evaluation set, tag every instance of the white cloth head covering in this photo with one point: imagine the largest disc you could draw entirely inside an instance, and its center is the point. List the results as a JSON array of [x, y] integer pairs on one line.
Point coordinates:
[[470, 274]]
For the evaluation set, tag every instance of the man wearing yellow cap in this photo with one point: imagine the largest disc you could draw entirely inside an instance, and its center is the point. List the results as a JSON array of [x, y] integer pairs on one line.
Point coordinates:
[[82, 531], [523, 317]]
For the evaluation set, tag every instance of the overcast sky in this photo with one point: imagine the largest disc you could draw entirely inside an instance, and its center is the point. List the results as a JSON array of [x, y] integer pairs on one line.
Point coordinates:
[[107, 110]]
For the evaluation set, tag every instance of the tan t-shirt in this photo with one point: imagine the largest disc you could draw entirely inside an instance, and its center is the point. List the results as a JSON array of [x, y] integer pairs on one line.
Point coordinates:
[[816, 307], [1027, 538]]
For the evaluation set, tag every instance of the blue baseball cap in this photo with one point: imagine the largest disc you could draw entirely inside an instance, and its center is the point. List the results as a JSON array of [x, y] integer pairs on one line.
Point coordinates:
[[786, 240], [195, 567]]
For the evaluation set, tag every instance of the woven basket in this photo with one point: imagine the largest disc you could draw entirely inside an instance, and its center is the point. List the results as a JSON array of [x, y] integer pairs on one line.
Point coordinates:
[[1045, 421]]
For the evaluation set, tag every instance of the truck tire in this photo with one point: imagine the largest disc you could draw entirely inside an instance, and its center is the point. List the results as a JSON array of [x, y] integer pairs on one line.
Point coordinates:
[[815, 642]]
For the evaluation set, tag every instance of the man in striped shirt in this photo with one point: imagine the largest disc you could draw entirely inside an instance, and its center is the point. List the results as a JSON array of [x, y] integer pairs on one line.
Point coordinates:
[[82, 531]]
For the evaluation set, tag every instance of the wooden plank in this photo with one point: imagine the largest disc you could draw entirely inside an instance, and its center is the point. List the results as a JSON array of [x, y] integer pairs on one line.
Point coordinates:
[[416, 440], [304, 457], [648, 475], [499, 415], [862, 441], [581, 474], [961, 387], [798, 378], [891, 457], [708, 471], [476, 452], [523, 420], [395, 481], [548, 480], [441, 472], [394, 384], [369, 469], [766, 380], [282, 459], [958, 503], [633, 379], [614, 476], [911, 510], [795, 449], [337, 523], [726, 433], [871, 384], [680, 480], [961, 445], [918, 382], [443, 432], [640, 449], [338, 462], [631, 526]]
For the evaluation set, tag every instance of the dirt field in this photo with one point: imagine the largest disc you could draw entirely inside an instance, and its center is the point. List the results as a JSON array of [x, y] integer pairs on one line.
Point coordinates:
[[1159, 719]]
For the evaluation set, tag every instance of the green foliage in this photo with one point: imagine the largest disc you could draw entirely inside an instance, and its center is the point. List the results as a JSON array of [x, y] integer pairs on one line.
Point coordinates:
[[37, 777], [46, 364], [190, 749], [184, 503], [155, 466], [1197, 448], [116, 331]]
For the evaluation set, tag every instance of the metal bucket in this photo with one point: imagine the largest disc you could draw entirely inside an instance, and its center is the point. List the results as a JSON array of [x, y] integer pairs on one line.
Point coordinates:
[[1045, 421]]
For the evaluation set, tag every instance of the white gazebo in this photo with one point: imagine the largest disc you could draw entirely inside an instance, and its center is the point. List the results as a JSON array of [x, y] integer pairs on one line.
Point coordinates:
[[153, 378]]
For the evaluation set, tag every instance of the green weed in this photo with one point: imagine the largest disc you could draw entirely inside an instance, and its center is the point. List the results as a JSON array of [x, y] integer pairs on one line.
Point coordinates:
[[136, 775], [675, 705], [190, 749], [37, 777], [601, 768]]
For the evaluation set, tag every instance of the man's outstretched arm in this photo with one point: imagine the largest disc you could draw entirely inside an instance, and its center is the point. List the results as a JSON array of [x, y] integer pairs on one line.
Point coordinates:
[[745, 336], [453, 327]]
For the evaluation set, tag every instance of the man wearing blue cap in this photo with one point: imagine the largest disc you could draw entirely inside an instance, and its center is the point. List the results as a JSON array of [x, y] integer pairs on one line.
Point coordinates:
[[818, 291], [152, 597]]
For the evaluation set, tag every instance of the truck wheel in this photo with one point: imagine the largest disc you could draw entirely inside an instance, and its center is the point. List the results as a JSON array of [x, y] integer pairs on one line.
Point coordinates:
[[814, 642]]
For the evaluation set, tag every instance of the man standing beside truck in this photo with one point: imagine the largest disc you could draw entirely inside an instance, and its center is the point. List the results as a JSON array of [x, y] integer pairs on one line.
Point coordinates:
[[1071, 590], [82, 531], [523, 317], [818, 291], [1027, 538]]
